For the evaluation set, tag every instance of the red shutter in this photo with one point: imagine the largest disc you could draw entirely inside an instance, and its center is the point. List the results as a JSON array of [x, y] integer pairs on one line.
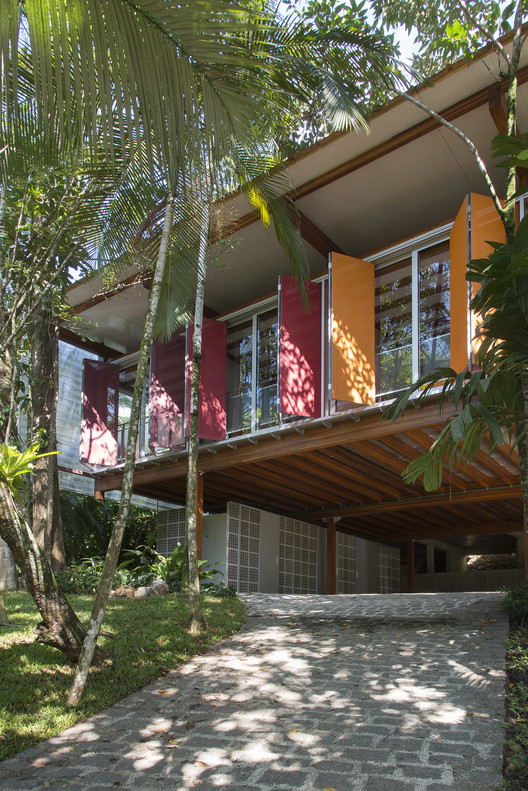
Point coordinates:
[[212, 420], [300, 349], [99, 414], [167, 393]]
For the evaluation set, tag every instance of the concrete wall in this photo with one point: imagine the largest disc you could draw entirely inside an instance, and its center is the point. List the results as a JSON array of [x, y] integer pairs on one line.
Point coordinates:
[[448, 582], [366, 566], [214, 541], [269, 552]]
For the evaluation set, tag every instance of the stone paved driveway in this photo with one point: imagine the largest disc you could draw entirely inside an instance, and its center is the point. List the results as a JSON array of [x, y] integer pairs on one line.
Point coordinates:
[[353, 693]]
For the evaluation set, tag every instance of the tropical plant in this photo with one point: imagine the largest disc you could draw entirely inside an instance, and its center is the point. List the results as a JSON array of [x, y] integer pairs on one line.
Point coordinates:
[[492, 399]]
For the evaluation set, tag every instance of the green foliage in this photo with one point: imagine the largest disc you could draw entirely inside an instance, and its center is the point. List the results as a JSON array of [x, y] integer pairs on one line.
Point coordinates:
[[490, 401], [87, 525], [515, 603], [145, 565], [15, 464], [141, 566], [516, 743], [446, 30], [149, 640]]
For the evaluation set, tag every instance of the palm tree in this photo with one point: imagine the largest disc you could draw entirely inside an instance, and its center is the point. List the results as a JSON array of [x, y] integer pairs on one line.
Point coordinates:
[[157, 77]]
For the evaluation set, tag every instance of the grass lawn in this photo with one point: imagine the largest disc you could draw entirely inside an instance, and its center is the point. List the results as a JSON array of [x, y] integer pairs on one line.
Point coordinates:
[[149, 641]]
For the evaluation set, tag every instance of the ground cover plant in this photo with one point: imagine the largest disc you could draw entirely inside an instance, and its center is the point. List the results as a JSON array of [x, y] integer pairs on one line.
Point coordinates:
[[515, 764], [148, 641]]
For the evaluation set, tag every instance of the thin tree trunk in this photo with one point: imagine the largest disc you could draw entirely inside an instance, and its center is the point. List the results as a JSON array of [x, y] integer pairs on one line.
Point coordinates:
[[60, 627], [47, 527], [112, 555], [4, 620], [523, 471], [196, 619]]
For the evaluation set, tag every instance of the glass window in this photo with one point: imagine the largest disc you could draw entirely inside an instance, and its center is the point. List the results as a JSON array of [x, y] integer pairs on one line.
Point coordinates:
[[412, 318], [433, 276], [267, 353], [239, 377], [393, 327], [252, 357]]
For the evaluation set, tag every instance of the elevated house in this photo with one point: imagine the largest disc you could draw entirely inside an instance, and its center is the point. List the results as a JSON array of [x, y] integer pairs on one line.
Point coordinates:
[[300, 475]]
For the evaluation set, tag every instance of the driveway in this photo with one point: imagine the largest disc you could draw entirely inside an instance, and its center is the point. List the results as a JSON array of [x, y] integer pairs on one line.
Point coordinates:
[[400, 692]]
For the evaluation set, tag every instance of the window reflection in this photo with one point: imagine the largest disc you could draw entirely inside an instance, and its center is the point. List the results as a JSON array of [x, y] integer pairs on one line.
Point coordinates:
[[393, 326]]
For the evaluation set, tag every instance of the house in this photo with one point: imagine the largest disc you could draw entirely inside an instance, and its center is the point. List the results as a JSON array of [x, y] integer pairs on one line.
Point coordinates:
[[300, 475]]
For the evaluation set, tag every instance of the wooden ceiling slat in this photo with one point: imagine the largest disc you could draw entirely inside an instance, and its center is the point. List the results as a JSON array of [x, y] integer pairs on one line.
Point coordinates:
[[335, 458]]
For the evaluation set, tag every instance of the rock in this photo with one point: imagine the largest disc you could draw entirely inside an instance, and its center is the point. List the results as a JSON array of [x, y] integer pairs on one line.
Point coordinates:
[[158, 588], [143, 592], [124, 592]]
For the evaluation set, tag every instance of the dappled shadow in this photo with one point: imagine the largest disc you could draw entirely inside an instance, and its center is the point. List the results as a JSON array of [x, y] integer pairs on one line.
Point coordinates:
[[353, 365], [310, 701]]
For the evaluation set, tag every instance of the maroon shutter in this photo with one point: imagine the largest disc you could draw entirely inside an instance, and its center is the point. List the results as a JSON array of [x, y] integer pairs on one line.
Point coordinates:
[[99, 413], [300, 350], [167, 393], [213, 396]]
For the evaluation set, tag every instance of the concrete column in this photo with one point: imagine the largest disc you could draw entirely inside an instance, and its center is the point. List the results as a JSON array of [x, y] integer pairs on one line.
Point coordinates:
[[410, 566]]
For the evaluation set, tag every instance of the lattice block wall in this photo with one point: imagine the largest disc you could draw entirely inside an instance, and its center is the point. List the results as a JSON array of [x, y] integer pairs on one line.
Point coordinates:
[[297, 557], [388, 569], [171, 530], [346, 563], [243, 524]]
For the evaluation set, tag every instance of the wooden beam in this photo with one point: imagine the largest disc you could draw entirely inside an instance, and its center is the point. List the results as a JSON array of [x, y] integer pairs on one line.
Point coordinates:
[[412, 503], [450, 113], [497, 108], [317, 238], [68, 336], [371, 426], [331, 556]]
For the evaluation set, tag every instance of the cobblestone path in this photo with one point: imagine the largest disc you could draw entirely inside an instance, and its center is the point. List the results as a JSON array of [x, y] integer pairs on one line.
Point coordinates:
[[354, 693]]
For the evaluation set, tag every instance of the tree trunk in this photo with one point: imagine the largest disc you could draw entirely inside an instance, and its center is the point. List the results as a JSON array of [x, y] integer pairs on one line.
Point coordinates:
[[60, 627], [4, 620], [196, 619], [112, 555], [523, 472], [47, 527], [8, 577]]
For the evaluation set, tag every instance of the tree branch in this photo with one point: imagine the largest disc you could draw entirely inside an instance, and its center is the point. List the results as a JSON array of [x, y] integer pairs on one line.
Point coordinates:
[[469, 143]]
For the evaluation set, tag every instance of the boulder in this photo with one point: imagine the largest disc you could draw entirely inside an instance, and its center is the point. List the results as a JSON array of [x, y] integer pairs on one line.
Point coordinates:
[[158, 588], [124, 592], [142, 592]]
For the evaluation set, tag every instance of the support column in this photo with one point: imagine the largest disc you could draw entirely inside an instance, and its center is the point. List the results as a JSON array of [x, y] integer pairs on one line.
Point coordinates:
[[199, 513], [331, 556], [98, 494], [410, 566], [430, 558]]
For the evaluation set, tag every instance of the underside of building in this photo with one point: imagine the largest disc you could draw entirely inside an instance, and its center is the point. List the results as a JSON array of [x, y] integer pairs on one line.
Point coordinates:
[[298, 437]]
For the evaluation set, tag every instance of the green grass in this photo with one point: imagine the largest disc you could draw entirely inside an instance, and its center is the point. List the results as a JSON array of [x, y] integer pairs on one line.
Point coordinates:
[[149, 641], [516, 744]]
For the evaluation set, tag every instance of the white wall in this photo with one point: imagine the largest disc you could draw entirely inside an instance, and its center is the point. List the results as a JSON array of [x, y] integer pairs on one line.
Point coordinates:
[[214, 542]]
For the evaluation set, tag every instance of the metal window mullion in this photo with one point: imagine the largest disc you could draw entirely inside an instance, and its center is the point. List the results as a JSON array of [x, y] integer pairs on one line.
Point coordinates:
[[254, 349], [415, 317], [324, 350]]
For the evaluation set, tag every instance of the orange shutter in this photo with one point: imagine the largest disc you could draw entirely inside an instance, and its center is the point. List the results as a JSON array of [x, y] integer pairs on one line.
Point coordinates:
[[469, 240], [486, 225], [353, 345], [458, 244]]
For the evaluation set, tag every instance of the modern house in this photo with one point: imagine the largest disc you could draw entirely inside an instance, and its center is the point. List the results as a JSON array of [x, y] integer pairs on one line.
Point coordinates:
[[300, 474]]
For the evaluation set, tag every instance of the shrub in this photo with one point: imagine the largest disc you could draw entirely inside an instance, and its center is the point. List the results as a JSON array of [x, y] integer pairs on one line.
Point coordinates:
[[516, 603]]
